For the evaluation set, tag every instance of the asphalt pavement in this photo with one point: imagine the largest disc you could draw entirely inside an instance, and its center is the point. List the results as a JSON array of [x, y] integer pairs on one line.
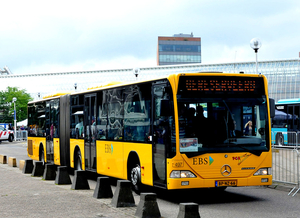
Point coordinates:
[[22, 195]]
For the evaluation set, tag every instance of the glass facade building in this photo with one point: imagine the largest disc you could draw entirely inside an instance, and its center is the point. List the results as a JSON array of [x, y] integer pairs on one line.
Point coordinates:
[[283, 77], [179, 49]]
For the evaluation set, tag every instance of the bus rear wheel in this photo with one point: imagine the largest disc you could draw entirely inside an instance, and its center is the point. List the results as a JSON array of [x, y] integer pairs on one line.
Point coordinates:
[[42, 156], [78, 163], [279, 139], [135, 178]]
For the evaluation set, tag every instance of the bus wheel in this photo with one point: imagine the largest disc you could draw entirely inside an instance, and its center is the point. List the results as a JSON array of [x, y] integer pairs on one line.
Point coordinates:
[[78, 163], [135, 178], [279, 139], [42, 156]]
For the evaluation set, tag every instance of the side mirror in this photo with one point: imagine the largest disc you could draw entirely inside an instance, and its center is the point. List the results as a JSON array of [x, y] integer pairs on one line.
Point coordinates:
[[272, 107]]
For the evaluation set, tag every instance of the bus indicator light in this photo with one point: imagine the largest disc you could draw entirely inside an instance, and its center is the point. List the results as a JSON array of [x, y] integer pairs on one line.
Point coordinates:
[[185, 183]]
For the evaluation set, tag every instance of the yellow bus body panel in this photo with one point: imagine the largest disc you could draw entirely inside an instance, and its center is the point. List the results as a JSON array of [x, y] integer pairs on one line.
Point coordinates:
[[208, 169], [112, 158], [73, 144], [35, 144], [56, 148]]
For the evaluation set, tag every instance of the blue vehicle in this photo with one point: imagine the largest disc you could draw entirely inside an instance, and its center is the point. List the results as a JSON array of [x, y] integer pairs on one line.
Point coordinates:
[[285, 124]]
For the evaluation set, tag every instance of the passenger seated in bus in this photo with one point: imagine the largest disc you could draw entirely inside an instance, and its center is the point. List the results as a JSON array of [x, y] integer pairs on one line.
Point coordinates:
[[33, 130], [119, 134], [128, 134], [160, 134], [234, 133], [79, 128]]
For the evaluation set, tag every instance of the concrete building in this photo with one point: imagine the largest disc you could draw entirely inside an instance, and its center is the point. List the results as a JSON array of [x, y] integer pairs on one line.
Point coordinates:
[[178, 49]]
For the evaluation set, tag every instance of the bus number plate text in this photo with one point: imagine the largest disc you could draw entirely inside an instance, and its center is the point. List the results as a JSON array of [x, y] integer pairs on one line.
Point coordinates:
[[226, 183]]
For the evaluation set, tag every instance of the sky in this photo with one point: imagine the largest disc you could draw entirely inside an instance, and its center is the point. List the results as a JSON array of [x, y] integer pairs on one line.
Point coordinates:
[[63, 36]]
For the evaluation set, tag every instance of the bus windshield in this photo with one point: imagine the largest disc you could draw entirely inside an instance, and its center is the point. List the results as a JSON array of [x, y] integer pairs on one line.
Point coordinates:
[[223, 123]]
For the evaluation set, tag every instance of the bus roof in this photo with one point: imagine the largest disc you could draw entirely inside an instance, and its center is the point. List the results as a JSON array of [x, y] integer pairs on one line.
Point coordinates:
[[289, 101], [117, 84], [105, 85], [56, 95]]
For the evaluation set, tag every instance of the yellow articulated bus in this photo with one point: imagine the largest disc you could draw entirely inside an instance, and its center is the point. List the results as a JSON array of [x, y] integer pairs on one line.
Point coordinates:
[[184, 131]]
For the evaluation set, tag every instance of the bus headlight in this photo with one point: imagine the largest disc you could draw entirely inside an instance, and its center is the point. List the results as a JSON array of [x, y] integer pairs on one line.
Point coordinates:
[[263, 172], [182, 174]]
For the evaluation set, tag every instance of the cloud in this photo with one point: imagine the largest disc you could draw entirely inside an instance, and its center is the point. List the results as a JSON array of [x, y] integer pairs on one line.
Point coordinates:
[[52, 36], [88, 65]]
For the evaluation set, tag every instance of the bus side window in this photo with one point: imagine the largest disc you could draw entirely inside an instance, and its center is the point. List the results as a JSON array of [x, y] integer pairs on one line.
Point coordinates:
[[137, 100]]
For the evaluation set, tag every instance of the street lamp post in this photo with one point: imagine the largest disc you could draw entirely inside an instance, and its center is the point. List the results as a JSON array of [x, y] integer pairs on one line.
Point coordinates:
[[136, 72], [255, 44], [15, 118]]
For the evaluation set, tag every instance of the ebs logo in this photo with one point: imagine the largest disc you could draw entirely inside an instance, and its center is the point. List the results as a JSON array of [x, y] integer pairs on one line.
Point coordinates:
[[203, 161], [109, 148]]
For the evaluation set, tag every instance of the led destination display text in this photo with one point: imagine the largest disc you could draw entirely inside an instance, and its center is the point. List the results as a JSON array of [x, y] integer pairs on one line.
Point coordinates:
[[220, 86], [214, 85]]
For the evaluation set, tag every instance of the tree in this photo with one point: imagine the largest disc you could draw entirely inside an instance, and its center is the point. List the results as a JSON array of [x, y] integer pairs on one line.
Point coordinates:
[[7, 107]]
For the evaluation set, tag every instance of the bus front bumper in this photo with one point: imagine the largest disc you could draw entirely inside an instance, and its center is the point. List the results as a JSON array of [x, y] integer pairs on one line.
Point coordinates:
[[189, 183]]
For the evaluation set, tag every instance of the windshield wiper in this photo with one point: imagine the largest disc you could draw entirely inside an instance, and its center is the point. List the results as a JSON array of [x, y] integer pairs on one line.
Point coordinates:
[[257, 153], [235, 143]]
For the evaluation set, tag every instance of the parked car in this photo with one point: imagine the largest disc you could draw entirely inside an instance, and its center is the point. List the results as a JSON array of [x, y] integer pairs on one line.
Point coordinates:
[[6, 134]]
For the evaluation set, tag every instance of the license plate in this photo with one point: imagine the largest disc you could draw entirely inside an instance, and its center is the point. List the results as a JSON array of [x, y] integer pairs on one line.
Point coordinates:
[[226, 183]]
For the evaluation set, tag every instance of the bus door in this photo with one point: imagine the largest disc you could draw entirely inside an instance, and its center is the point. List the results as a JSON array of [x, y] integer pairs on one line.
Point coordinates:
[[49, 138], [293, 117], [159, 129], [293, 124], [52, 125], [90, 129]]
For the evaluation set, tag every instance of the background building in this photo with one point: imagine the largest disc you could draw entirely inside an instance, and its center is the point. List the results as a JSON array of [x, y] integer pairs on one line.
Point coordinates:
[[283, 77], [179, 49]]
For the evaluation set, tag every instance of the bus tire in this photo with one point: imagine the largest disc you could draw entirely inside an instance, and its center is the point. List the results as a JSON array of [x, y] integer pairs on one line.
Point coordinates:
[[135, 178], [42, 155], [77, 161], [10, 138], [279, 139]]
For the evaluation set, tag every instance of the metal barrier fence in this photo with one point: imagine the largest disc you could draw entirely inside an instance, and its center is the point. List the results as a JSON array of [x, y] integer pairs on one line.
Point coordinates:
[[286, 159], [21, 135], [286, 138]]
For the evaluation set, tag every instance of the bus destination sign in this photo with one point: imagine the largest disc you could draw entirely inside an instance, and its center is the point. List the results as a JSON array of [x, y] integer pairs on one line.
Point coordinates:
[[220, 85]]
